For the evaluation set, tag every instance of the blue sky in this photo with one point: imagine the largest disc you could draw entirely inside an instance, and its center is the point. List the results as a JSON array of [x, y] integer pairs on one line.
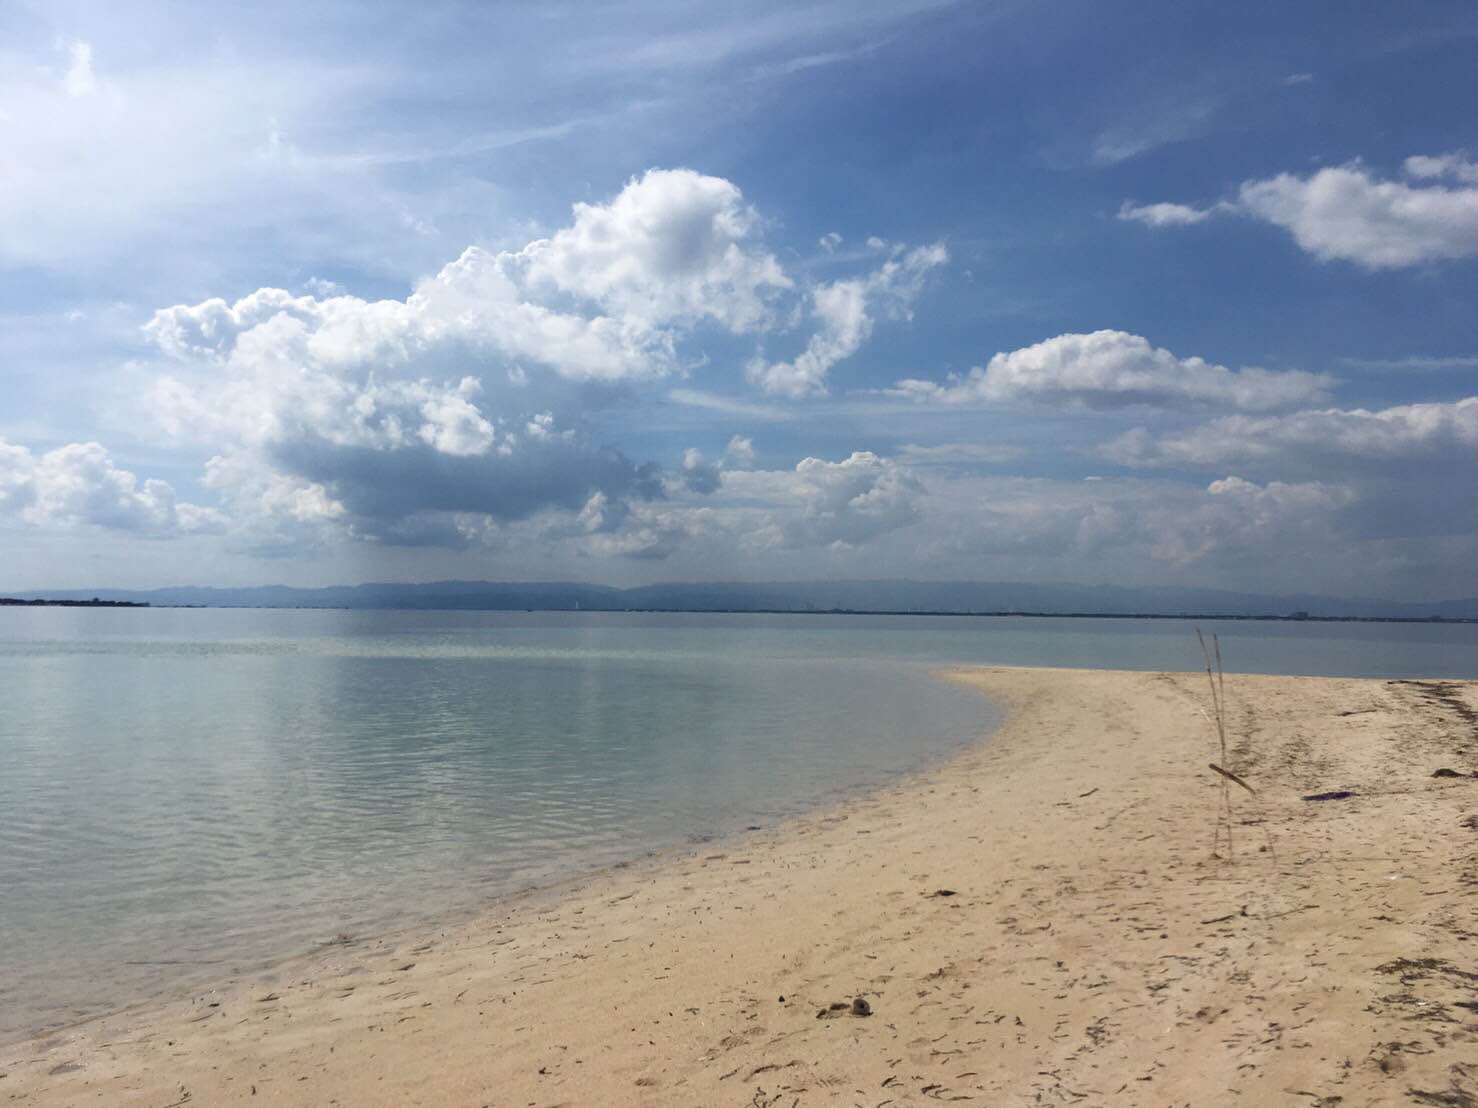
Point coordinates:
[[1131, 292]]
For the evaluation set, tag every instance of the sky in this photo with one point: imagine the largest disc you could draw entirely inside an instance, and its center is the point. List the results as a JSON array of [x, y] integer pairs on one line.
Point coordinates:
[[1136, 292]]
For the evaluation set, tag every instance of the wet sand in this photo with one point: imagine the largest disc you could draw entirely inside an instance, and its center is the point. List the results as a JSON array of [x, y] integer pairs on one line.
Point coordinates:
[[1039, 921]]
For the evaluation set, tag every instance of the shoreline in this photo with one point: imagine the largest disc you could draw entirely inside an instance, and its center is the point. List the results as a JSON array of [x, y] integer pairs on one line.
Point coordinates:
[[402, 926], [1036, 919]]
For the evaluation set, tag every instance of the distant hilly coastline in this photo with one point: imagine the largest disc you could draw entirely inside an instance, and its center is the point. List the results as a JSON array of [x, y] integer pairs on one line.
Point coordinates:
[[922, 597], [59, 602]]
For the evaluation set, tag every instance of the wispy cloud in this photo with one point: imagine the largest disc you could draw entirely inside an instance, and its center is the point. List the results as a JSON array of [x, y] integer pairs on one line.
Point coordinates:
[[1172, 122], [799, 64], [844, 312], [730, 405], [958, 455], [1163, 214], [804, 36], [1415, 362]]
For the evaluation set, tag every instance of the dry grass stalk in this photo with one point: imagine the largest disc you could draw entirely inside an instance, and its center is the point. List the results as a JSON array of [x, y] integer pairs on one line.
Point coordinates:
[[1216, 679]]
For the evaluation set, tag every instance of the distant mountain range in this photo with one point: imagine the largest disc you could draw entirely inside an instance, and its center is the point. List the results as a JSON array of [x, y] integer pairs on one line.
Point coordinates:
[[798, 596]]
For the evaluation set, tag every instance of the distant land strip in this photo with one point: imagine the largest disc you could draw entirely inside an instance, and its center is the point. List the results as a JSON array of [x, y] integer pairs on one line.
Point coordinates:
[[1295, 617], [17, 602], [1065, 600], [1266, 617]]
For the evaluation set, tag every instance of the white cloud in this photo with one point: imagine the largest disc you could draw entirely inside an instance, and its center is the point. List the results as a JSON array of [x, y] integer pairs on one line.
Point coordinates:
[[78, 484], [473, 304], [1163, 215], [1111, 369], [847, 517], [740, 452], [647, 537], [79, 79], [269, 502], [323, 288], [1232, 532], [822, 503], [841, 309], [668, 252], [337, 412], [1455, 166], [672, 247], [1345, 213], [1410, 432], [829, 242], [451, 423], [458, 409], [818, 505], [273, 392], [1241, 519], [315, 427], [845, 311], [699, 476], [1134, 531]]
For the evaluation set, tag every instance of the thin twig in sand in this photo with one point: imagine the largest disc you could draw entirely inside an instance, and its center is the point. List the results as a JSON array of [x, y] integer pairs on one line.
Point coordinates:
[[1216, 679]]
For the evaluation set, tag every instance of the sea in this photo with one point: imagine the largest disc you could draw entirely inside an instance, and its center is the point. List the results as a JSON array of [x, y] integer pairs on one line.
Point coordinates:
[[186, 794]]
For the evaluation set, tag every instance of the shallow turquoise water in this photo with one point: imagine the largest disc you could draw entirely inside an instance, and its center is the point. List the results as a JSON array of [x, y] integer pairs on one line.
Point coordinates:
[[218, 787]]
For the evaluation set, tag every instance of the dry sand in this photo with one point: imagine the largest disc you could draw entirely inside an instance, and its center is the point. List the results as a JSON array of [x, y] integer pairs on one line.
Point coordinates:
[[1037, 922]]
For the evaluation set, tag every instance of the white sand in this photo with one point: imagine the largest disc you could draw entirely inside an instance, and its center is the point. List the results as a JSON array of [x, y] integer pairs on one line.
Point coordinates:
[[1092, 951]]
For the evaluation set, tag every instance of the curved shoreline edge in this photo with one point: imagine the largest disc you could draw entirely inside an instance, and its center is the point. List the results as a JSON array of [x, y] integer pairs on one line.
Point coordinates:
[[228, 967], [1038, 919]]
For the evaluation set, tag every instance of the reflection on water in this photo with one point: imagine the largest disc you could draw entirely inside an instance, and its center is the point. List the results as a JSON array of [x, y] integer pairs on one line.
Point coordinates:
[[205, 787], [174, 796]]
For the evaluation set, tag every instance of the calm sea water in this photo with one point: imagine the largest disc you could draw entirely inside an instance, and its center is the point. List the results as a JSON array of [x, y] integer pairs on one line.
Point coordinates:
[[188, 792]]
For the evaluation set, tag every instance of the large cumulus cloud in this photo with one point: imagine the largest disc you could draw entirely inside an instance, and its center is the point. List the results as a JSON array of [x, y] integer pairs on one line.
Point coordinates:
[[460, 410], [328, 445], [79, 484], [674, 246]]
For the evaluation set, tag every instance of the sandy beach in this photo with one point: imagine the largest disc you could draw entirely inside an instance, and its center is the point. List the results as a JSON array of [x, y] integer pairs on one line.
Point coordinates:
[[1038, 921]]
